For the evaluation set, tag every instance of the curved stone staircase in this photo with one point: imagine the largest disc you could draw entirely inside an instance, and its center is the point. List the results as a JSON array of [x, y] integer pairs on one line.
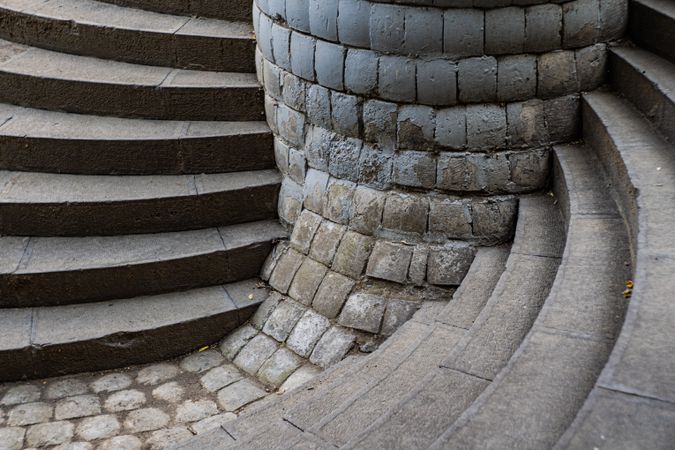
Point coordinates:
[[138, 188]]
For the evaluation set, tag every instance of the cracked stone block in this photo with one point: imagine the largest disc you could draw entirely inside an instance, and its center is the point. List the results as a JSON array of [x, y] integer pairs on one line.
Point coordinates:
[[167, 438], [543, 29], [416, 127], [236, 340], [201, 361], [170, 392], [367, 210], [304, 230], [557, 74], [361, 70], [451, 127], [20, 394], [299, 377], [78, 406], [390, 261], [124, 400], [29, 414], [46, 434], [261, 315], [450, 217], [121, 443], [111, 382], [529, 170], [397, 313], [448, 265], [332, 294], [463, 32], [353, 253], [406, 212], [397, 80], [307, 333], [66, 388], [477, 79], [279, 367], [414, 169], [219, 377], [192, 411], [417, 272], [363, 312], [282, 320], [146, 419], [302, 61], [379, 121], [495, 220], [254, 354], [339, 200], [98, 427], [326, 242], [156, 373], [212, 422], [485, 126], [285, 270], [437, 82], [307, 280], [11, 438], [239, 394], [332, 347]]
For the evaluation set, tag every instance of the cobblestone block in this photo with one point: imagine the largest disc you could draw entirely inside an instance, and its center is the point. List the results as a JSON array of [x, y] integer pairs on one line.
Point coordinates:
[[415, 169], [318, 105], [529, 170], [23, 393], [281, 156], [390, 261], [11, 438], [379, 121], [46, 434], [29, 414], [504, 30], [170, 392], [279, 367], [219, 377], [397, 78], [281, 41], [77, 406], [258, 320], [323, 18], [463, 33], [316, 185], [126, 442], [361, 70], [201, 361], [557, 74], [416, 127], [297, 165], [238, 395], [487, 172], [339, 200], [375, 167], [272, 78], [494, 221], [290, 200], [307, 280], [285, 270], [291, 125], [516, 78], [405, 212], [562, 117], [307, 333], [125, 400], [363, 312], [169, 437], [452, 171], [613, 18], [591, 66], [367, 210], [111, 382], [437, 82], [332, 294], [451, 127], [302, 55], [527, 125], [255, 353], [344, 159], [304, 230], [156, 373], [98, 427], [354, 22], [450, 217], [329, 63], [423, 31], [448, 265], [477, 79], [194, 410], [387, 27], [326, 242], [485, 126], [345, 114], [417, 272], [299, 377], [353, 253], [293, 91], [65, 388], [297, 14], [332, 347], [543, 28], [581, 19], [397, 313], [280, 324]]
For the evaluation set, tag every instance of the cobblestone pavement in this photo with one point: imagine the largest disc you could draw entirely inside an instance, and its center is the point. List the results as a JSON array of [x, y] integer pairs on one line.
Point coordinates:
[[138, 407]]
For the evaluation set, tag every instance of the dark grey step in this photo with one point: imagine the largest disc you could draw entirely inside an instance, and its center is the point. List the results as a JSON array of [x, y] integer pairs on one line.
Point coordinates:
[[49, 80], [102, 30], [648, 81], [59, 271], [651, 24], [48, 141], [50, 341], [239, 10], [45, 204]]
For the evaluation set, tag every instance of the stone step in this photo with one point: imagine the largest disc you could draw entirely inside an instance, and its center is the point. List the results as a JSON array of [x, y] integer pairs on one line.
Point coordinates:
[[631, 405], [57, 81], [648, 81], [103, 30], [57, 271], [50, 341], [239, 10], [49, 141], [651, 24], [46, 204]]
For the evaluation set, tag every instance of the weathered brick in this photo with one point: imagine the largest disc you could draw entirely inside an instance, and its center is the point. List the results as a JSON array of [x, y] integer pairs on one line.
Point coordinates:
[[463, 32], [387, 27], [366, 210], [557, 74], [332, 294], [415, 169], [361, 70], [354, 22], [326, 241], [390, 261], [449, 264], [397, 78], [329, 63], [437, 82], [406, 212], [323, 18], [485, 126], [307, 280], [353, 253], [379, 121], [416, 127], [477, 79], [504, 30], [339, 200], [450, 217], [516, 77], [302, 56], [451, 127]]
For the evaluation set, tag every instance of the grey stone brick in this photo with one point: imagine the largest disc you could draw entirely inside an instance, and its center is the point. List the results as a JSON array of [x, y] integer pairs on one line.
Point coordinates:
[[281, 40], [367, 210], [591, 66], [562, 116], [219, 377], [452, 171], [437, 82], [316, 183], [272, 76], [405, 212], [416, 127], [236, 340], [285, 270], [485, 126], [415, 169], [387, 27], [543, 29], [279, 367], [581, 20], [304, 230], [332, 294], [451, 127], [339, 200], [354, 22], [293, 91], [326, 242], [527, 124], [397, 313], [504, 30], [451, 217], [264, 37], [487, 172], [375, 167], [344, 158], [352, 254], [397, 78], [280, 324], [329, 64], [297, 14], [296, 165], [379, 121], [307, 280], [448, 265], [530, 169], [277, 9], [516, 77], [290, 200], [477, 79], [318, 145], [390, 261], [263, 313], [361, 68], [423, 31], [417, 272], [463, 33], [363, 312], [239, 394], [332, 347], [307, 333], [557, 74], [345, 114], [291, 125], [271, 113], [281, 155], [613, 19], [494, 220], [302, 56], [323, 18], [318, 106]]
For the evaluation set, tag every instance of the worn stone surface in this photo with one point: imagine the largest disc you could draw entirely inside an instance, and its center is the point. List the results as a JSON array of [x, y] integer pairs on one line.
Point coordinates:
[[278, 367], [307, 332], [390, 261], [363, 312], [332, 347], [256, 352], [125, 400], [239, 394], [282, 320], [201, 361], [332, 294], [220, 377], [78, 406]]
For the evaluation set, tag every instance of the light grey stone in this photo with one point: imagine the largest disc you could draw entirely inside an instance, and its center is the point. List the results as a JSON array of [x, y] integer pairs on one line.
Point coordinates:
[[282, 321], [74, 446], [125, 400], [323, 18], [156, 373], [423, 31], [361, 68], [297, 165], [306, 281], [121, 443], [167, 438], [353, 253], [212, 422], [379, 121], [66, 388], [285, 270], [477, 79], [239, 394], [201, 361], [194, 410], [463, 32], [397, 79], [485, 126], [297, 14], [304, 230], [504, 30], [416, 127], [326, 242], [272, 78], [437, 82], [417, 272], [307, 333], [414, 169], [52, 433], [291, 125], [448, 265], [24, 393], [367, 210], [98, 427], [332, 294], [345, 113], [77, 406], [264, 36], [170, 392], [318, 108], [260, 317], [294, 91], [316, 184], [406, 213], [11, 438], [387, 27], [329, 63], [279, 367], [146, 419], [332, 347], [111, 382], [236, 340], [255, 353], [363, 312], [29, 414], [343, 160], [339, 200], [219, 377], [281, 39], [451, 127], [516, 78], [390, 261], [299, 377], [302, 56], [397, 313]]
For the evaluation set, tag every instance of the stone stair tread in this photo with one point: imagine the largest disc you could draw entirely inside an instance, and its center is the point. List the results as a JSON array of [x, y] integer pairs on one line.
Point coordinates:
[[651, 24], [236, 10]]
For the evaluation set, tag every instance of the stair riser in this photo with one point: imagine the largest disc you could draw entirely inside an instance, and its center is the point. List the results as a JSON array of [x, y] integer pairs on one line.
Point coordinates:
[[133, 280], [239, 10], [120, 350], [172, 103], [136, 46], [643, 94], [143, 216], [652, 30], [143, 157]]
